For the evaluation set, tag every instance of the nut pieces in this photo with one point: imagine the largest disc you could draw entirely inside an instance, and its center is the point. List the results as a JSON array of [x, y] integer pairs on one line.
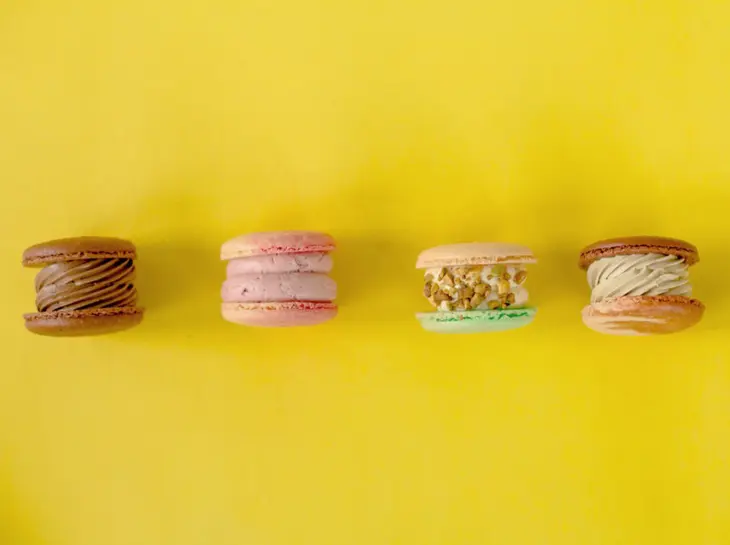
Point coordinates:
[[474, 287]]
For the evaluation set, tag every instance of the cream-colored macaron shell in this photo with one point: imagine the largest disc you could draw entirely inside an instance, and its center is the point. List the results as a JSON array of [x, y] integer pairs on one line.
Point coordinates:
[[474, 253]]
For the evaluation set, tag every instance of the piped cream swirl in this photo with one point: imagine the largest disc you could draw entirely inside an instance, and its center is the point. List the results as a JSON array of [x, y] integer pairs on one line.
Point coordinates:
[[645, 274], [85, 284]]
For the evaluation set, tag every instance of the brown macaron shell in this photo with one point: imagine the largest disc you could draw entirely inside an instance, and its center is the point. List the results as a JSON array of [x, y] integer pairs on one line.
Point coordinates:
[[78, 323], [74, 249], [643, 315], [638, 245]]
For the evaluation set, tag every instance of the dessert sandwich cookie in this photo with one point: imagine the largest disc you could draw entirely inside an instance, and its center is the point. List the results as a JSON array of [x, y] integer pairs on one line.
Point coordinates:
[[640, 286], [476, 287], [85, 286], [279, 279]]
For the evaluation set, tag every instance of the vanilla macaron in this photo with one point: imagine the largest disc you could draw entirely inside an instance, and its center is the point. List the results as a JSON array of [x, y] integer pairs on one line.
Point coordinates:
[[476, 287], [279, 279], [640, 286]]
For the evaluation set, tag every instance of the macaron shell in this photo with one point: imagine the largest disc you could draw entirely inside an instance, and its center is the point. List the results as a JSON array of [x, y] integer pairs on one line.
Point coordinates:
[[290, 314], [477, 321], [281, 263], [82, 323], [278, 287], [643, 315], [277, 242], [73, 249], [638, 245], [474, 253]]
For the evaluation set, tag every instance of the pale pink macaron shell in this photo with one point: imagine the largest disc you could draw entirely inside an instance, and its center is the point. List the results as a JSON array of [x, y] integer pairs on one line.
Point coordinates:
[[245, 288], [289, 314], [277, 242], [280, 263]]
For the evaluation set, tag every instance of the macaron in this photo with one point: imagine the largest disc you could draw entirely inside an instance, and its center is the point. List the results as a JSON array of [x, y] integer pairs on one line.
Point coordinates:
[[279, 279], [85, 286], [640, 285], [476, 287]]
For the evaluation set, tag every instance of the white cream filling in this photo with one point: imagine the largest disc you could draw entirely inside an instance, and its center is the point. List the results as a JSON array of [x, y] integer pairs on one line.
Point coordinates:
[[645, 274]]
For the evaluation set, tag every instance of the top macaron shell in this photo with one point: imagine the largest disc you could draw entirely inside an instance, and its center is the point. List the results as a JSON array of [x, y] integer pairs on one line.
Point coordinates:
[[474, 253], [636, 245], [78, 248], [277, 242]]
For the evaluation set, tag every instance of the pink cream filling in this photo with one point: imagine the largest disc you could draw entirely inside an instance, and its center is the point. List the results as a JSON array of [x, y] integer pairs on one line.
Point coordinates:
[[278, 287], [280, 263]]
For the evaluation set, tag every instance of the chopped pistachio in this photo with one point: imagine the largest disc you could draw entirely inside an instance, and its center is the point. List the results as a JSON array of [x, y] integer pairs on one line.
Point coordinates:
[[503, 287], [440, 297]]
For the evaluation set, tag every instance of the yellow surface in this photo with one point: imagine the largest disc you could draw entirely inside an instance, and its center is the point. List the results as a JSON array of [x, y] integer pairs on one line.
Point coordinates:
[[395, 126]]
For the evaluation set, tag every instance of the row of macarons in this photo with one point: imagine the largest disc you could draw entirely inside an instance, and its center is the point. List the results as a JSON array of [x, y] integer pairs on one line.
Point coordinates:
[[640, 285]]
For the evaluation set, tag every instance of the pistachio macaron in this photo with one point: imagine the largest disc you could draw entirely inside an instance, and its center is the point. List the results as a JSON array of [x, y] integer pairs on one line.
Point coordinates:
[[640, 285], [85, 286], [476, 287]]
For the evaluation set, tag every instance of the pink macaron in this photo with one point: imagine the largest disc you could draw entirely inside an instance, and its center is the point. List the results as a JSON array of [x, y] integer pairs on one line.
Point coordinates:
[[279, 279]]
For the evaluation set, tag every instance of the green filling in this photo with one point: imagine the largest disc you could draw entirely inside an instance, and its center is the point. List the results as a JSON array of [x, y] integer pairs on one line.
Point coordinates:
[[490, 317]]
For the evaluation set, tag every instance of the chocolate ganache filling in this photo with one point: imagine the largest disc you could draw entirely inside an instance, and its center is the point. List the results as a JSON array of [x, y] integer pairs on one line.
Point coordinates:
[[86, 284]]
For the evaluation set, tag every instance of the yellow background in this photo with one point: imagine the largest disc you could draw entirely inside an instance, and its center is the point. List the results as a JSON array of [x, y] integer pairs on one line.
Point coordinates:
[[395, 126]]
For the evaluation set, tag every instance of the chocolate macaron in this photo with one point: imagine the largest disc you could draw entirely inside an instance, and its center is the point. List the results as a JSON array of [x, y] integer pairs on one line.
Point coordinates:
[[640, 286], [85, 286]]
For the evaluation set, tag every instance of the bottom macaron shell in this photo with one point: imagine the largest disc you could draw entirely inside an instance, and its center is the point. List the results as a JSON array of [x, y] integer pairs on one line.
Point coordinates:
[[643, 315], [288, 314], [82, 323], [476, 321]]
